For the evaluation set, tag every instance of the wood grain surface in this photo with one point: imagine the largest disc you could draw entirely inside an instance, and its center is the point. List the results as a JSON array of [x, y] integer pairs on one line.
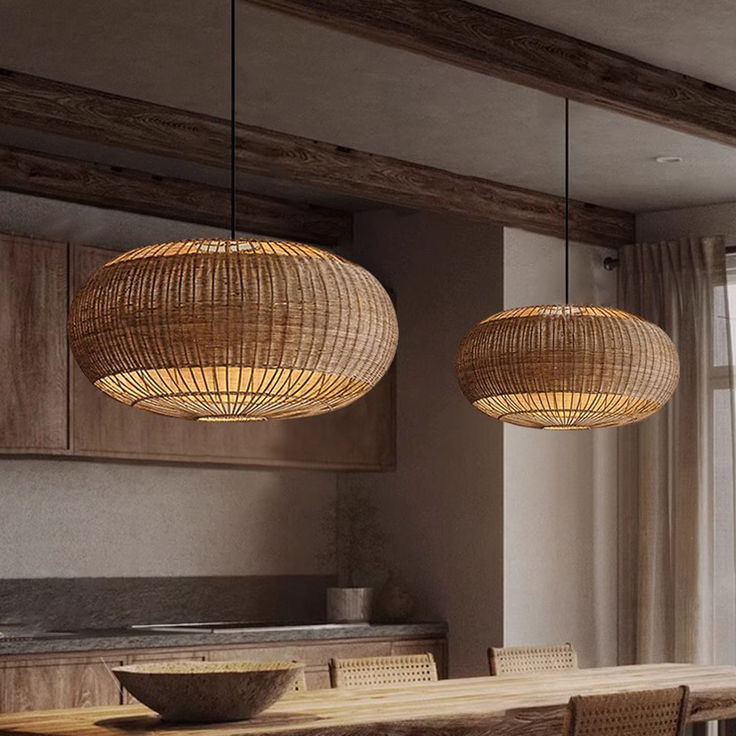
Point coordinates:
[[83, 681], [33, 370], [111, 187], [488, 42], [515, 705], [122, 122]]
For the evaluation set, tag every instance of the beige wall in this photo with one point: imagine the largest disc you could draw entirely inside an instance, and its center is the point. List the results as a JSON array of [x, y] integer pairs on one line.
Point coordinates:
[[559, 487], [70, 518], [442, 508], [715, 219], [86, 519]]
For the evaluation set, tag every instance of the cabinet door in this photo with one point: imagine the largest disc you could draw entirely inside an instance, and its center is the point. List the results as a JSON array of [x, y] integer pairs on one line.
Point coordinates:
[[33, 369], [38, 685], [360, 436]]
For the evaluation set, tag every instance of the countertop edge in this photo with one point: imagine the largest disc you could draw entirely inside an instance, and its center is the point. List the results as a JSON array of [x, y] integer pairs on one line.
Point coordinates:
[[161, 640]]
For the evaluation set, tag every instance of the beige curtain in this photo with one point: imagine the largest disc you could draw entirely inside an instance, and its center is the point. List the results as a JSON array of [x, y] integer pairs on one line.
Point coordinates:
[[677, 577]]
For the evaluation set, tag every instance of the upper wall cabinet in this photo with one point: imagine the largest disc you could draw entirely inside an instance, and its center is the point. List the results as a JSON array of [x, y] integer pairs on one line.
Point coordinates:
[[33, 368], [361, 436]]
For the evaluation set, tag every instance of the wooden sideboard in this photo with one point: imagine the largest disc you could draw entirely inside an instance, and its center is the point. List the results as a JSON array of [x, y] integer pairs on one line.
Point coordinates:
[[44, 681], [52, 409]]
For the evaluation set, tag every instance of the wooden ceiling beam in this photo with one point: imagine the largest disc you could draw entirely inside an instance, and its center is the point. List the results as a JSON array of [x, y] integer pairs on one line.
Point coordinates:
[[110, 187], [482, 40], [122, 122]]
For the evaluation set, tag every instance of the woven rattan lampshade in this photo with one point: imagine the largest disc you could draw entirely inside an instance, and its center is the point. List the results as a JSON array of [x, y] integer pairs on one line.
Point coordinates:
[[567, 367], [226, 330]]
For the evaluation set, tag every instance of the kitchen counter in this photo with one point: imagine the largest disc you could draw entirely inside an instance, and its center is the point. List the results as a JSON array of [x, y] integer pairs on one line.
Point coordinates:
[[48, 669], [124, 639]]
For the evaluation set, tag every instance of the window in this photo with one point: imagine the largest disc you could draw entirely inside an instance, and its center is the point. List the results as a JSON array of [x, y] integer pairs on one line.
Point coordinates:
[[724, 450]]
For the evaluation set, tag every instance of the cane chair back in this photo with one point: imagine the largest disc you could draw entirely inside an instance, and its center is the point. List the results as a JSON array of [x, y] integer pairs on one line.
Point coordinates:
[[372, 671], [644, 713], [528, 660]]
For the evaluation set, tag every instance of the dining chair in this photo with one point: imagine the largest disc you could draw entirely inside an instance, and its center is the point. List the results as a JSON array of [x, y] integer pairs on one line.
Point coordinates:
[[643, 713], [371, 671], [519, 660]]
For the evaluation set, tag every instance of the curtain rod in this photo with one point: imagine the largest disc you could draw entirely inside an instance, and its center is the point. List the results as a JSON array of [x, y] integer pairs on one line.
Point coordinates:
[[611, 264]]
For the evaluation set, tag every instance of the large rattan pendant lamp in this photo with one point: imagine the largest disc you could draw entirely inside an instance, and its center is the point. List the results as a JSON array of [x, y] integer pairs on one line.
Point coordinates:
[[567, 366], [233, 329]]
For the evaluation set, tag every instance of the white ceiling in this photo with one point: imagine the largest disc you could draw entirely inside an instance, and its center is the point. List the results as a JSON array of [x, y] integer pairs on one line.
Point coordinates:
[[318, 83]]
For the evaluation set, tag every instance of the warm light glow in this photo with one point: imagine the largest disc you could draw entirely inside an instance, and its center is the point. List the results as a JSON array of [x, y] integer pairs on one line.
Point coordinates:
[[567, 367], [224, 330]]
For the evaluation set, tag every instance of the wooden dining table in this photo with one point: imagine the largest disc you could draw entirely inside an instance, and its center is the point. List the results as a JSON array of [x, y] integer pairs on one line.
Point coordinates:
[[513, 705]]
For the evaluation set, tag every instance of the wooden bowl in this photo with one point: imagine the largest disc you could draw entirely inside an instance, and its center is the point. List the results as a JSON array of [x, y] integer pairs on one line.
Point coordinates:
[[208, 692]]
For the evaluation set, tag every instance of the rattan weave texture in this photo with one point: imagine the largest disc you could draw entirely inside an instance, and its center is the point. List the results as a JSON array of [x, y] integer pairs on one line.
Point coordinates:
[[372, 671], [520, 660], [643, 713], [567, 367], [233, 329]]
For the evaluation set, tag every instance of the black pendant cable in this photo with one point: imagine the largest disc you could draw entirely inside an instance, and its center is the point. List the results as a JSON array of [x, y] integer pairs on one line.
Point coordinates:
[[567, 201], [232, 119], [566, 366]]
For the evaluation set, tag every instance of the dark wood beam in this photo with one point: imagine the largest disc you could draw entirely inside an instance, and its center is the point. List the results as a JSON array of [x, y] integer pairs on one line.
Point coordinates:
[[484, 41], [101, 117], [94, 184]]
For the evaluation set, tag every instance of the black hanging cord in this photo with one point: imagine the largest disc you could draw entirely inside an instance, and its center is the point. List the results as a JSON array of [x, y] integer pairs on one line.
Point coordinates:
[[232, 119], [567, 201]]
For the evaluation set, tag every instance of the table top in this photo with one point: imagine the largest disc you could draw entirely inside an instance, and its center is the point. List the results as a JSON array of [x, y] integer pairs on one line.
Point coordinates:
[[514, 705]]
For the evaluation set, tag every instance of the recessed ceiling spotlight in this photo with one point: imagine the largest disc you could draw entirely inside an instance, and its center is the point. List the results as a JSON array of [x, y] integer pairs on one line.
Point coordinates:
[[668, 159]]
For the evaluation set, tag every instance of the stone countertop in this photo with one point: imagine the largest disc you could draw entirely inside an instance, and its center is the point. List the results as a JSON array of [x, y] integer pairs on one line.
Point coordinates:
[[112, 639]]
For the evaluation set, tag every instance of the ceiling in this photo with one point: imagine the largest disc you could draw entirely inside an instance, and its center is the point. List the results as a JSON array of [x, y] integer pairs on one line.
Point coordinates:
[[694, 37], [315, 82]]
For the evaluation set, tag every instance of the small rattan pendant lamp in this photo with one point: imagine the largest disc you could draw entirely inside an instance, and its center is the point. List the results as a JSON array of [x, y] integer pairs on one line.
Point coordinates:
[[233, 329], [567, 366]]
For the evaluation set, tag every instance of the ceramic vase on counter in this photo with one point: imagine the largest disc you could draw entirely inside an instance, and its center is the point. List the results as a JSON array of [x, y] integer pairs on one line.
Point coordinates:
[[349, 605], [394, 602]]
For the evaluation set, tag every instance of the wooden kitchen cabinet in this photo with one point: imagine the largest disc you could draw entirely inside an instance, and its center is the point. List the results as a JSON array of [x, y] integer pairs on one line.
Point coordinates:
[[33, 369], [51, 407], [38, 684], [360, 436]]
